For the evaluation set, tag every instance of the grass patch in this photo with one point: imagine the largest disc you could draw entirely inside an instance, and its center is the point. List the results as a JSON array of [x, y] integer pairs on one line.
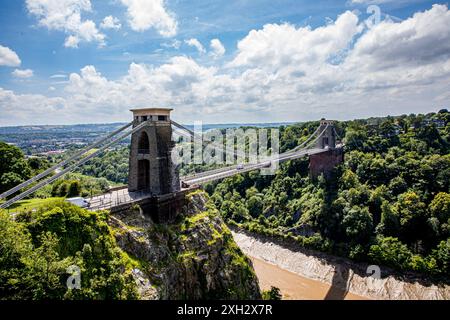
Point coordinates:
[[30, 204]]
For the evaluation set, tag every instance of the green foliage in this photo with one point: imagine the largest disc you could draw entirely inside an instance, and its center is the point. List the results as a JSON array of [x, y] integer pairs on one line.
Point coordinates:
[[388, 203], [440, 210], [74, 185], [442, 257], [111, 165], [14, 169], [358, 224], [37, 249], [74, 189], [272, 294], [390, 252]]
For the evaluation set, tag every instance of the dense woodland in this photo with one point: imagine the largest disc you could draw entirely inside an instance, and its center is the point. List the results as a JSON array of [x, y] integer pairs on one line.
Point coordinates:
[[38, 248], [388, 204]]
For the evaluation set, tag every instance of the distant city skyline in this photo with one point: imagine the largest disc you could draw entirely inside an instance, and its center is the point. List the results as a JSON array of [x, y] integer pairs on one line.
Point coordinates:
[[221, 62]]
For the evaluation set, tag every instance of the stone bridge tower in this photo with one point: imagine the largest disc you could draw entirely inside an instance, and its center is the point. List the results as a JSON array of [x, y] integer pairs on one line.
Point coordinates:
[[150, 166], [151, 169], [328, 138], [325, 162]]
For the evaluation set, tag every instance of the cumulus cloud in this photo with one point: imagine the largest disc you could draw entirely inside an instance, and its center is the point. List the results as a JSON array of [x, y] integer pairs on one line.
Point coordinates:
[[277, 45], [29, 108], [8, 57], [111, 22], [280, 72], [23, 74], [195, 43], [146, 14], [420, 40], [217, 48], [65, 15]]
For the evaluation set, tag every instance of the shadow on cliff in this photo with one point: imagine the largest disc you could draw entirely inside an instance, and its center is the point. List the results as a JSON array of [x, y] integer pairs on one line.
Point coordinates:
[[339, 284]]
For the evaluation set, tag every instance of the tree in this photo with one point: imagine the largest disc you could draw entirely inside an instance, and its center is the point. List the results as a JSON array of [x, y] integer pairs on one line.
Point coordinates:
[[358, 224], [442, 256], [74, 189], [412, 216], [440, 207], [255, 206], [272, 294], [389, 224], [13, 167], [356, 136], [398, 185], [409, 207], [389, 251], [45, 269]]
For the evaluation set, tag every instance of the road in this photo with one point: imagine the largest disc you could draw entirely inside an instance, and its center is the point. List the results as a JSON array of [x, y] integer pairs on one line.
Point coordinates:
[[232, 170], [115, 198]]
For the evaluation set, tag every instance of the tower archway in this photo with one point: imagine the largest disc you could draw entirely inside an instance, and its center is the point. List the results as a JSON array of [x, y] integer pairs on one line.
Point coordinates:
[[143, 174], [143, 143]]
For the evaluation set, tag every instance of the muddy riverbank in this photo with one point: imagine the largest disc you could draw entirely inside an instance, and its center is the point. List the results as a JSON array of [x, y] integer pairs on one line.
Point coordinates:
[[343, 275], [295, 287]]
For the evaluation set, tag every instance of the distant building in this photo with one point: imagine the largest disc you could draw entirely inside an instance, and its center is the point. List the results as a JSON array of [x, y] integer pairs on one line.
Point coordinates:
[[437, 122], [53, 152]]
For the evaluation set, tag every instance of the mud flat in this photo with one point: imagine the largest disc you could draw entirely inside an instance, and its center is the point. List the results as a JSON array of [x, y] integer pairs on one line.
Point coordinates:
[[342, 277], [295, 287]]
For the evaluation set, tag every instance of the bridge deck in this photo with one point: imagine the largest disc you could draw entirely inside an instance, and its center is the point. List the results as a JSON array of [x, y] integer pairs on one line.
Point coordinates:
[[121, 196], [115, 198]]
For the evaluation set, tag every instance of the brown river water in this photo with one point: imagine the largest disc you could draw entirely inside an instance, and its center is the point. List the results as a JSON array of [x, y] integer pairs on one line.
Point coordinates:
[[296, 287]]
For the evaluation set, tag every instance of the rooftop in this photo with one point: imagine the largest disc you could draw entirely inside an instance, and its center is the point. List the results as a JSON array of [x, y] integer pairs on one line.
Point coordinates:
[[151, 110]]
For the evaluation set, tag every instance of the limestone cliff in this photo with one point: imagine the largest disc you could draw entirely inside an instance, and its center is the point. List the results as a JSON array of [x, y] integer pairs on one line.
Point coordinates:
[[194, 258]]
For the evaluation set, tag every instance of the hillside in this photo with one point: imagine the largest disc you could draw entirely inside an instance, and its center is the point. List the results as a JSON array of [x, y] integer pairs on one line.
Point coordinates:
[[122, 257]]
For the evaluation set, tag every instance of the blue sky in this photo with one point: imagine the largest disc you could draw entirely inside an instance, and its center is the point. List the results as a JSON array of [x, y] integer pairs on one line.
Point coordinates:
[[255, 61]]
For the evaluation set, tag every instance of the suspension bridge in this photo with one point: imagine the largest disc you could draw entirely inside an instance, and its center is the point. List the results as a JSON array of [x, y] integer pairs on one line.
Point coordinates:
[[154, 182]]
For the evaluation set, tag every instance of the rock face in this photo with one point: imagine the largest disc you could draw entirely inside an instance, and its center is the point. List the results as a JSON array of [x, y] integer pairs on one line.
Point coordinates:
[[194, 258]]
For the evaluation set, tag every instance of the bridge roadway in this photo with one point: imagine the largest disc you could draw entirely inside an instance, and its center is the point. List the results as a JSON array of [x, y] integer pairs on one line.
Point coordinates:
[[122, 195]]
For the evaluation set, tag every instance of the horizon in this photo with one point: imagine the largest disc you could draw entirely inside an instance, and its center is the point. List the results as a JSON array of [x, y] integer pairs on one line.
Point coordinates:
[[228, 123]]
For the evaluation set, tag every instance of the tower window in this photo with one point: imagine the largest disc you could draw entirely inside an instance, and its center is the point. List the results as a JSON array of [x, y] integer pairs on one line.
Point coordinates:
[[162, 118]]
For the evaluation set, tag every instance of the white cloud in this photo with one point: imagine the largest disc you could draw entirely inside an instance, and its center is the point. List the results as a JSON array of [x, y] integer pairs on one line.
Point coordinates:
[[280, 72], [175, 44], [420, 40], [217, 48], [29, 108], [65, 15], [23, 74], [146, 14], [277, 45], [8, 57], [195, 43], [111, 22], [58, 76]]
